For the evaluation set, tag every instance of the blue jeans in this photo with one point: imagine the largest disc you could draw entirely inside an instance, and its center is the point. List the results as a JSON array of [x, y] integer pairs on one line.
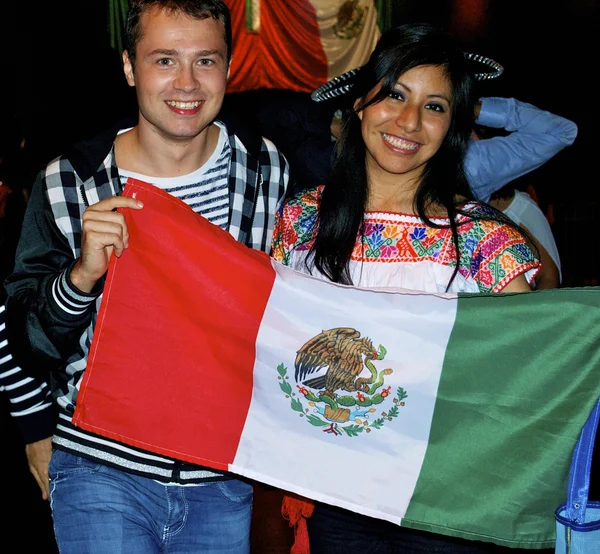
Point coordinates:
[[97, 509], [333, 530]]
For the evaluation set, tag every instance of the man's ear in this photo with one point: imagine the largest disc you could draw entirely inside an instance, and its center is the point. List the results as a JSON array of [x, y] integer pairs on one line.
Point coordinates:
[[128, 69]]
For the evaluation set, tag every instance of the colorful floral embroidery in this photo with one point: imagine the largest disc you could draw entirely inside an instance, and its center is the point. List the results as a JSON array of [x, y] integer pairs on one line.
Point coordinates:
[[491, 252]]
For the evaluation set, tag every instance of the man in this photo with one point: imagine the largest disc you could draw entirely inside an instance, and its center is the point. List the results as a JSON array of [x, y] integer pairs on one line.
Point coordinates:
[[105, 496]]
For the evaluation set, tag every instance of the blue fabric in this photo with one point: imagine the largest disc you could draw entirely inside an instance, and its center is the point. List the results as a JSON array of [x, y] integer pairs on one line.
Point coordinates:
[[578, 519], [578, 538], [140, 515], [535, 137]]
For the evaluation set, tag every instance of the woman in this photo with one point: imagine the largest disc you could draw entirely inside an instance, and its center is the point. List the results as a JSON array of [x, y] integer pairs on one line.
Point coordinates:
[[397, 211]]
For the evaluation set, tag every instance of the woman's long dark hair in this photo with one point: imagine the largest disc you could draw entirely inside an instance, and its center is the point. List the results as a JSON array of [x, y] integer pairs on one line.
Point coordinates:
[[443, 181]]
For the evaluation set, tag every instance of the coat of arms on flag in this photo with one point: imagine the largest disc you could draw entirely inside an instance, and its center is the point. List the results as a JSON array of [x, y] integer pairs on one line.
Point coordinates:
[[344, 355]]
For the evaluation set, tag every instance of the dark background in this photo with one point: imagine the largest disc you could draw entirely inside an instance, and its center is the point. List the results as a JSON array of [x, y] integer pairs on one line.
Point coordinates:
[[61, 82]]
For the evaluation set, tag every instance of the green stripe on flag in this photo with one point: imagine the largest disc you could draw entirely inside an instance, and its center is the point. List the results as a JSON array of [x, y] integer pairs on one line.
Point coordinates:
[[504, 426]]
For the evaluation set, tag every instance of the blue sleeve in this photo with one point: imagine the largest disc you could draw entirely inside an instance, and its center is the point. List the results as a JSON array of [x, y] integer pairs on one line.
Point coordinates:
[[535, 137]]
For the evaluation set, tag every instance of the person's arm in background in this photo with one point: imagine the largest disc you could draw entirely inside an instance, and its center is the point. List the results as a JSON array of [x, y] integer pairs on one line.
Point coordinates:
[[38, 457], [549, 276], [525, 211], [535, 136], [32, 409]]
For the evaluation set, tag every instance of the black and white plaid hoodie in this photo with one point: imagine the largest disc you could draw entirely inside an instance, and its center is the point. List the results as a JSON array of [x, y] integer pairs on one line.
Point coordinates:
[[50, 321]]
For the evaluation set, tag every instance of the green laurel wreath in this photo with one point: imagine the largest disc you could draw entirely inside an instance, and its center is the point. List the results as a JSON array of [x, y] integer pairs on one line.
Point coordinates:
[[351, 430]]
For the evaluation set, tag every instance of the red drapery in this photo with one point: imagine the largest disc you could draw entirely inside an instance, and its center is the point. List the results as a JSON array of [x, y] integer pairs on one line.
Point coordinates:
[[285, 54]]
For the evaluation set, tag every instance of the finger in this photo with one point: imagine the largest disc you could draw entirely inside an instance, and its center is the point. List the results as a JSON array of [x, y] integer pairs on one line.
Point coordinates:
[[97, 241], [43, 471], [105, 222], [114, 226], [115, 202], [43, 484], [100, 233], [93, 219]]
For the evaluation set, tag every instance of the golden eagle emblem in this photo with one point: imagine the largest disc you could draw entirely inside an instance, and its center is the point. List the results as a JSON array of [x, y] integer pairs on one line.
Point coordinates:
[[341, 350], [344, 355]]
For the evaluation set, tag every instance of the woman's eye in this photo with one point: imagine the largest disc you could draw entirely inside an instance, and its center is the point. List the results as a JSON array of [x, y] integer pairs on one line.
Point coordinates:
[[395, 95], [436, 108]]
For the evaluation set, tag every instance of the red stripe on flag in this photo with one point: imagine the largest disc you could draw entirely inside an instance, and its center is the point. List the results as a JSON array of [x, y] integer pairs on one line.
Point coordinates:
[[179, 350]]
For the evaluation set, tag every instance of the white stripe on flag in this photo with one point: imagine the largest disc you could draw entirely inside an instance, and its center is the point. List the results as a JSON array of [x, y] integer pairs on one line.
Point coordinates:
[[413, 328]]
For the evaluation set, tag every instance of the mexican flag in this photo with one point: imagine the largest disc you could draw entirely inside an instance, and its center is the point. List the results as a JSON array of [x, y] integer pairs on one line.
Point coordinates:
[[300, 44], [454, 414]]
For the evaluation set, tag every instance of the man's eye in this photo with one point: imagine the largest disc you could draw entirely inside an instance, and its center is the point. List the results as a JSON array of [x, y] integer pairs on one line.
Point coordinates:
[[164, 61], [206, 62]]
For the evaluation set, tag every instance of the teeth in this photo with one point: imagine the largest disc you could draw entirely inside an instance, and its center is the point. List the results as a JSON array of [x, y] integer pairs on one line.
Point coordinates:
[[184, 105], [399, 143]]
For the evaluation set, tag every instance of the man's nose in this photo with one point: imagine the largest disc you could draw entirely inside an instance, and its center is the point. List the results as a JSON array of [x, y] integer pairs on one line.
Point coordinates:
[[186, 79]]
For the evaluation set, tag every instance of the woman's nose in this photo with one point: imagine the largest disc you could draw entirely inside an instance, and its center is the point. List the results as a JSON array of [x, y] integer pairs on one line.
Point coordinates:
[[409, 118]]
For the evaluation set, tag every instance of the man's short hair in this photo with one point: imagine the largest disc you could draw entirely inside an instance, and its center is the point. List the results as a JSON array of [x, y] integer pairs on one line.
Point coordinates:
[[196, 9]]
